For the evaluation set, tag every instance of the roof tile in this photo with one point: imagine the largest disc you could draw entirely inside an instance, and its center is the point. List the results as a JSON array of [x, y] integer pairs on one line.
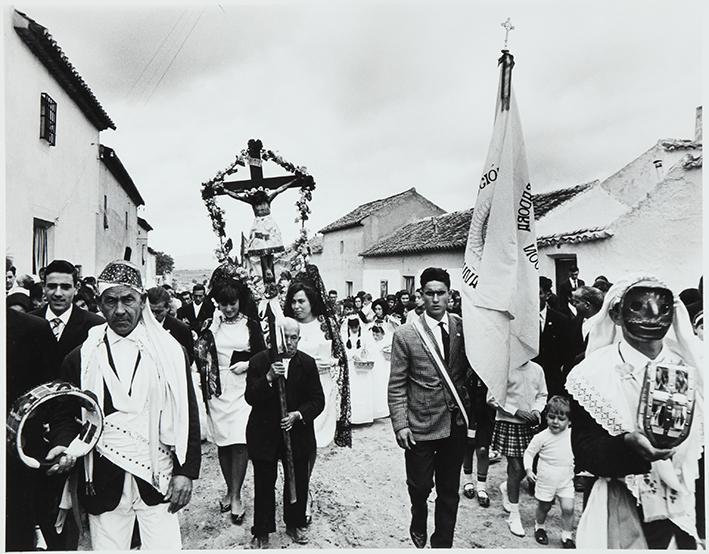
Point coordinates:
[[450, 231]]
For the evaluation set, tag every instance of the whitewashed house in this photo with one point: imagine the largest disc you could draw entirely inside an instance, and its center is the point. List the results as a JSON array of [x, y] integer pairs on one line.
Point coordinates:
[[645, 217], [66, 195], [338, 251]]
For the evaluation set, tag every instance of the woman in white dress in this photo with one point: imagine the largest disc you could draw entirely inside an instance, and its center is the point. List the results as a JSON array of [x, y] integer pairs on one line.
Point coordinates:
[[317, 339], [380, 353], [224, 349]]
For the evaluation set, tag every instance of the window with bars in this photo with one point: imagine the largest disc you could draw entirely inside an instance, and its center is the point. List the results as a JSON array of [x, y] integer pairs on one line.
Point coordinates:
[[105, 211], [126, 220], [48, 119], [348, 287], [383, 288]]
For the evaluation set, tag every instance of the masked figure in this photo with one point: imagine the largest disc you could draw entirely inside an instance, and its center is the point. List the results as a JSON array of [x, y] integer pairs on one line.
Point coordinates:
[[645, 496]]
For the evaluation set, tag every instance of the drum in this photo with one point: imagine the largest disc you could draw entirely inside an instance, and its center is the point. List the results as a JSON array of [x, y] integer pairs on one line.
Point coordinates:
[[41, 400], [667, 403]]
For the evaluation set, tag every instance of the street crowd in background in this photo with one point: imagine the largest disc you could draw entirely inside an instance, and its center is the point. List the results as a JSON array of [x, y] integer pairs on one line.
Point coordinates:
[[360, 348]]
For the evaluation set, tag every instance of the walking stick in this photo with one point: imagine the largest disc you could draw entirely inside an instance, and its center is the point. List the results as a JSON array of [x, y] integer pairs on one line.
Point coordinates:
[[281, 383]]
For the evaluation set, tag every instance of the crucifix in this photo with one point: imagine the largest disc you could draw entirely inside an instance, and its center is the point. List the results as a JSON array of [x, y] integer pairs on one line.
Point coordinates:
[[259, 191], [508, 27]]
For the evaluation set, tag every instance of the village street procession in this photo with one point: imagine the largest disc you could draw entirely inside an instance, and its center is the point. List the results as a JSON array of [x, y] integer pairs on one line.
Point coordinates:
[[365, 275]]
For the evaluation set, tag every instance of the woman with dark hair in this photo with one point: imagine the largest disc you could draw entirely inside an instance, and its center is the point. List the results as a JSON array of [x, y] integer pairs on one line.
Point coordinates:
[[223, 352], [319, 339]]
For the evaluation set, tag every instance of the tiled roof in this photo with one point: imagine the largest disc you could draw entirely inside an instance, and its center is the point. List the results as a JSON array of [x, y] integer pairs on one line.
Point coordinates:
[[580, 235], [356, 216], [38, 39], [692, 161], [450, 231], [114, 165], [546, 201], [144, 224], [679, 144]]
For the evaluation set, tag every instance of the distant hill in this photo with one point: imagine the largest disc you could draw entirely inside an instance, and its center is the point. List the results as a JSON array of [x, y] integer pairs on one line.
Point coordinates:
[[185, 278]]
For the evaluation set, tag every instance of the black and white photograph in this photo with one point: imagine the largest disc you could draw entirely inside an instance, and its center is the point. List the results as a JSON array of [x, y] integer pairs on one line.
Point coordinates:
[[353, 274]]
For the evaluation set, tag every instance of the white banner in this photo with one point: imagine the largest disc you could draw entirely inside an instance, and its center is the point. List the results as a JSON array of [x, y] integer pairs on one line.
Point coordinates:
[[500, 290]]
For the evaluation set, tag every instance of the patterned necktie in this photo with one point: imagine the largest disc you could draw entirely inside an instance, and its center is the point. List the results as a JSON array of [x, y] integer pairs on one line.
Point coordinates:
[[57, 326], [444, 337]]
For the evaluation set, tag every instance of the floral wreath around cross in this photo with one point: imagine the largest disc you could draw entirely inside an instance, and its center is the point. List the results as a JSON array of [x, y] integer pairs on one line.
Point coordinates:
[[215, 186]]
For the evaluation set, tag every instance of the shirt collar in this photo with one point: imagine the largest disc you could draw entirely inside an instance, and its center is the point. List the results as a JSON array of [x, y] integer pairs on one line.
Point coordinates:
[[543, 313], [639, 360], [433, 323], [136, 336], [64, 317]]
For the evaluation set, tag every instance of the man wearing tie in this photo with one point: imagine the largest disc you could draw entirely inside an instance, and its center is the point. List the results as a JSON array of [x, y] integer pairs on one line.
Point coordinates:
[[566, 288], [429, 407], [70, 327], [554, 341]]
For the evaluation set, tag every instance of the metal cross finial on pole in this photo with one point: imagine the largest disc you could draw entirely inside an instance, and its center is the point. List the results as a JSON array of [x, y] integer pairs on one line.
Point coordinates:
[[508, 27]]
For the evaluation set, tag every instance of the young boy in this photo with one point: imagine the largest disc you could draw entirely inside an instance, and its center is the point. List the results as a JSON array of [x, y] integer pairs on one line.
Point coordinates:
[[555, 472]]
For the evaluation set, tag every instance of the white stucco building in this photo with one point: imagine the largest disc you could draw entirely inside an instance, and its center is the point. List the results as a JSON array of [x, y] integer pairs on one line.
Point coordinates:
[[66, 195], [338, 254], [646, 217]]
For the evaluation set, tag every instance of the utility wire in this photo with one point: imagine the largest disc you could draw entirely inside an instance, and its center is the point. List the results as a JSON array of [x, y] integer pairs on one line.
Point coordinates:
[[175, 56], [157, 51]]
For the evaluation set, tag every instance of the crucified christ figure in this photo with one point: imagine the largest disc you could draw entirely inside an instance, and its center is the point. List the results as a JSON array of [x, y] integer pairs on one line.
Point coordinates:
[[265, 237]]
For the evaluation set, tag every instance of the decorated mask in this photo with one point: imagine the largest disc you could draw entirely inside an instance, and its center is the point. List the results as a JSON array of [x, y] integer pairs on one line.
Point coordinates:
[[647, 312]]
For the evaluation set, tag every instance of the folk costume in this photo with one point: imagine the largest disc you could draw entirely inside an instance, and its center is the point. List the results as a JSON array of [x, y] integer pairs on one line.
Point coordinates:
[[321, 339], [634, 503], [151, 428], [356, 341]]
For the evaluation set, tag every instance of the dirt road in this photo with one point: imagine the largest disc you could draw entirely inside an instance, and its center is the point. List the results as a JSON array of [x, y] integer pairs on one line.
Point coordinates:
[[360, 502]]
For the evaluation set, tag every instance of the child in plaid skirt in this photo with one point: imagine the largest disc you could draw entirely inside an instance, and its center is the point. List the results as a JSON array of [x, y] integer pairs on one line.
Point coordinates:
[[514, 424]]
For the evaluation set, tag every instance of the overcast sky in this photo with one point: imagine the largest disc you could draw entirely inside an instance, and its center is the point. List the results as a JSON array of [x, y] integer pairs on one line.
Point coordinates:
[[373, 97]]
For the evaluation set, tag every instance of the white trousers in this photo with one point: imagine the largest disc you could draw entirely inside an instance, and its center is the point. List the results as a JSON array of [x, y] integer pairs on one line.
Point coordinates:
[[159, 529]]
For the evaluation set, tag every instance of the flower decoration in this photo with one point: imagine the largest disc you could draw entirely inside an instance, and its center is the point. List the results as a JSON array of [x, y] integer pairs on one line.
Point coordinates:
[[215, 187], [625, 370]]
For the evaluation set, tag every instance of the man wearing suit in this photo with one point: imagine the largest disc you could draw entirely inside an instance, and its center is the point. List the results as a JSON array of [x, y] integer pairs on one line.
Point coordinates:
[[264, 432], [149, 451], [566, 288], [425, 413], [31, 359], [159, 300], [555, 342], [195, 313], [70, 327]]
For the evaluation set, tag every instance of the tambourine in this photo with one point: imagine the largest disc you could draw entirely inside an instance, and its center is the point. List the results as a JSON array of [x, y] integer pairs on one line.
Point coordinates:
[[39, 398], [666, 404]]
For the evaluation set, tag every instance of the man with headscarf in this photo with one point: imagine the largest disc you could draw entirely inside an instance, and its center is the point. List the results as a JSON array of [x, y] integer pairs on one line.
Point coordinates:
[[644, 497], [149, 451]]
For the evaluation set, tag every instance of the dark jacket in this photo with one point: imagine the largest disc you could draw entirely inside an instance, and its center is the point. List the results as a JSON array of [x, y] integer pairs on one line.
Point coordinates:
[[108, 477], [76, 330], [196, 319], [555, 350], [181, 333], [264, 437], [596, 451], [31, 361]]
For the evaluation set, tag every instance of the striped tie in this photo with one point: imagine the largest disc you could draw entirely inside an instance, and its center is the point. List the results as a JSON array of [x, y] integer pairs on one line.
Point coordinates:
[[57, 326]]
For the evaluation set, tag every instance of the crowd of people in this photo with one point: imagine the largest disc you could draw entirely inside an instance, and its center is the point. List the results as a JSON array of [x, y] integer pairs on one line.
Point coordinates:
[[174, 367]]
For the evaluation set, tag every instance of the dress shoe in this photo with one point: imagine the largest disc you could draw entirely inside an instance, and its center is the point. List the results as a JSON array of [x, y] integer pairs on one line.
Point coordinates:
[[469, 490], [568, 543], [260, 541], [483, 498], [238, 519], [419, 539], [540, 535], [298, 534]]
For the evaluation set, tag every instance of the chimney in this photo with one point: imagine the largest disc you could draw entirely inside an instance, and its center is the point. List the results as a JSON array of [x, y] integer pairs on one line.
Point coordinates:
[[698, 125]]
